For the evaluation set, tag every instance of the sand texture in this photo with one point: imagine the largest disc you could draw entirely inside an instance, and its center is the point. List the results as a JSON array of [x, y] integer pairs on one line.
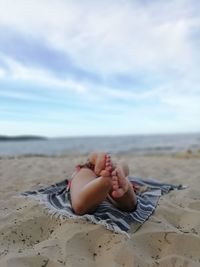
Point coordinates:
[[29, 237]]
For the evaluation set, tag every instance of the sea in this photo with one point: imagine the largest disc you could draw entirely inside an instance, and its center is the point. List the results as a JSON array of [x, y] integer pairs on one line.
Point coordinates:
[[132, 144]]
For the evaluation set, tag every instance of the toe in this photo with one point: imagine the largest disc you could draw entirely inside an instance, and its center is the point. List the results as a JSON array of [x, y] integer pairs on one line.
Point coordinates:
[[115, 184], [108, 163], [109, 168], [115, 187], [117, 193], [114, 178], [107, 156], [114, 173]]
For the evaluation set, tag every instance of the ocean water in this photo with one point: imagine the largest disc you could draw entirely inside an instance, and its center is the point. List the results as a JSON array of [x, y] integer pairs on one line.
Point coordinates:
[[135, 144]]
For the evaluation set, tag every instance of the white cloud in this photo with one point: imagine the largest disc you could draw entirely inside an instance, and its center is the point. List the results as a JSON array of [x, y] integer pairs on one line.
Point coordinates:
[[90, 92], [93, 92], [184, 105], [173, 95], [19, 72], [110, 36], [2, 73]]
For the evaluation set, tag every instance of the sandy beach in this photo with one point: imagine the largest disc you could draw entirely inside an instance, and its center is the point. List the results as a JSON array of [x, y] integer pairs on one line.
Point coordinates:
[[29, 237]]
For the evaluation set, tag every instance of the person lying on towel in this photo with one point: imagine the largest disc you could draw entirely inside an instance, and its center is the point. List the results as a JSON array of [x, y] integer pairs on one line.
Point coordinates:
[[100, 179]]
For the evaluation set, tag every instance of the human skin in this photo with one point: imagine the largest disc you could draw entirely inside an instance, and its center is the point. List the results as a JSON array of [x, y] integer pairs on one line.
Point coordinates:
[[91, 187]]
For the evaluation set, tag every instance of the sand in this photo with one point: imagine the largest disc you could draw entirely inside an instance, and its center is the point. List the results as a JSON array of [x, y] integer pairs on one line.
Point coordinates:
[[30, 237]]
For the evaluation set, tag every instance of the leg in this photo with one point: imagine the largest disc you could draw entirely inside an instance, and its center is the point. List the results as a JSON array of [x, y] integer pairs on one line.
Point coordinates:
[[87, 191], [122, 194]]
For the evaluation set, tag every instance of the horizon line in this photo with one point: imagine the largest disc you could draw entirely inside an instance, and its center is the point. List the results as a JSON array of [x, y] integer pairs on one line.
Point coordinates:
[[98, 136]]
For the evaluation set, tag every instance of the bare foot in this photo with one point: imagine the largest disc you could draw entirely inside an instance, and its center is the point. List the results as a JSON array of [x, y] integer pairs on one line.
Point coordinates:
[[106, 172], [120, 182], [98, 159], [102, 163]]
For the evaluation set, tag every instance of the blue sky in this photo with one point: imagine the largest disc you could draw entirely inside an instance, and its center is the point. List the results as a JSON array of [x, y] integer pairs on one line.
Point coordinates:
[[76, 68]]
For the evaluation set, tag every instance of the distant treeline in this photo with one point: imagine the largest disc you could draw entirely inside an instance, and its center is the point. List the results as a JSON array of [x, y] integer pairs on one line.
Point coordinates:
[[21, 138]]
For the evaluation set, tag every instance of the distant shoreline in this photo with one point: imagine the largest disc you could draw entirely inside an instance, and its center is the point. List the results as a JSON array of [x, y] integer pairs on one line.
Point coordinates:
[[21, 138], [30, 145]]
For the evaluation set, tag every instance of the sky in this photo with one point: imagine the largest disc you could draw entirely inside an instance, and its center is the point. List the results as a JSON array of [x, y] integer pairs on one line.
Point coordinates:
[[109, 67]]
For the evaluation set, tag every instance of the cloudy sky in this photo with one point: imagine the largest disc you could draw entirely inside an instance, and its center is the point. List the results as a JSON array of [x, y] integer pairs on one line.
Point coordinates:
[[72, 68]]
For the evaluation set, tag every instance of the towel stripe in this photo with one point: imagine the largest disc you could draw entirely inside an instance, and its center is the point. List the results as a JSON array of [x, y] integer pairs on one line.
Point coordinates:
[[57, 199]]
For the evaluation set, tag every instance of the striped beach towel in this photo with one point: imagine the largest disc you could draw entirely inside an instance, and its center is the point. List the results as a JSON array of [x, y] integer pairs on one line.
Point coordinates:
[[57, 199]]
